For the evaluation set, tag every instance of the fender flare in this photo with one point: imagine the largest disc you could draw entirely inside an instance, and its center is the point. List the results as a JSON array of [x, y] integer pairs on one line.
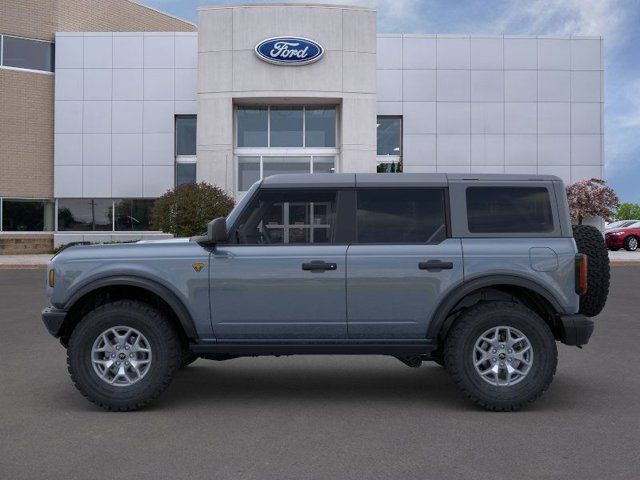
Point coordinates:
[[178, 307], [462, 290]]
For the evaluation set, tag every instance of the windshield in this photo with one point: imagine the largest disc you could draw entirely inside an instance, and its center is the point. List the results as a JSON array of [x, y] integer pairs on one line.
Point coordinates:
[[233, 215], [622, 223]]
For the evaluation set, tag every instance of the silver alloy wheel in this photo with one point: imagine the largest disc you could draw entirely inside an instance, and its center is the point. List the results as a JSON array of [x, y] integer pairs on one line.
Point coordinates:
[[502, 356], [633, 243], [121, 356]]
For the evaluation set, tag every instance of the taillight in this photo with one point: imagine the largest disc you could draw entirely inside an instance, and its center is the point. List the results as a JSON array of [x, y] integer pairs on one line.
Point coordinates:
[[581, 274]]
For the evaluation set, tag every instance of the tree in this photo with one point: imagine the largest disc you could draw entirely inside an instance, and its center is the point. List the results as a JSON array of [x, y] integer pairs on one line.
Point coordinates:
[[591, 198], [186, 210], [628, 211]]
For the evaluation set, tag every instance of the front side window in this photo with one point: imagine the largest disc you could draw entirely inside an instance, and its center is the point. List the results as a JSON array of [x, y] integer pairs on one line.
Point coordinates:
[[410, 215], [288, 217], [509, 210], [23, 215], [29, 54], [85, 214]]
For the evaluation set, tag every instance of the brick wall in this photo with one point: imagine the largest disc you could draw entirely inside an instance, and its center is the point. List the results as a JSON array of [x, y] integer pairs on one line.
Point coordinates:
[[26, 116]]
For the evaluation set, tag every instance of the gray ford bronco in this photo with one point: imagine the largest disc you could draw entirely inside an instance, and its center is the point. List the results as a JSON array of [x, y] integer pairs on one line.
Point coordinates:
[[479, 273]]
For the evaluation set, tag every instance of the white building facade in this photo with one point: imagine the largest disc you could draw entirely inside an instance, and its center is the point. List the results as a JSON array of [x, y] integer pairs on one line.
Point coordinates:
[[128, 106]]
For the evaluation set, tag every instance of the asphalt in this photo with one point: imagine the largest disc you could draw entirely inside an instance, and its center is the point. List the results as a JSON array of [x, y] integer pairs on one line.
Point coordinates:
[[319, 417]]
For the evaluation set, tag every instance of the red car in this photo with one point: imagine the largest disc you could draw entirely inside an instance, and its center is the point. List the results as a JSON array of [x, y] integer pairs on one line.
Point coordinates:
[[627, 237]]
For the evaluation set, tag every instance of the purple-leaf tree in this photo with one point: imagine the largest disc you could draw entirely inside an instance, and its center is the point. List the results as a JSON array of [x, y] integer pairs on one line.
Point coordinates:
[[591, 198]]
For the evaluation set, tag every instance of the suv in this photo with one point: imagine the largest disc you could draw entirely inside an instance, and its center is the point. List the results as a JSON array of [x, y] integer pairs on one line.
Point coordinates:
[[481, 274]]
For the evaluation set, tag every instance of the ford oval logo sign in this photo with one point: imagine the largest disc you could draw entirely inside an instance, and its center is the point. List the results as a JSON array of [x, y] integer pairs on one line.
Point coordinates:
[[289, 51]]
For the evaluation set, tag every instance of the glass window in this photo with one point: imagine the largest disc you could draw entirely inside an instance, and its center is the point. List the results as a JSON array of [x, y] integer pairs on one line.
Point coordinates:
[[509, 210], [401, 215], [389, 133], [25, 53], [276, 165], [133, 214], [289, 217], [85, 214], [185, 173], [248, 172], [253, 126], [20, 215], [319, 127], [186, 135], [286, 127], [324, 164]]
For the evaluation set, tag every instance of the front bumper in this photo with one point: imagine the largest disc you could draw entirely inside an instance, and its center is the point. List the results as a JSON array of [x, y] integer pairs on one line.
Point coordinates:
[[54, 319], [575, 329]]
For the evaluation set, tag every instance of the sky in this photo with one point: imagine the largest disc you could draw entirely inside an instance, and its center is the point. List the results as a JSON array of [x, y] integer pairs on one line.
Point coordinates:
[[617, 21]]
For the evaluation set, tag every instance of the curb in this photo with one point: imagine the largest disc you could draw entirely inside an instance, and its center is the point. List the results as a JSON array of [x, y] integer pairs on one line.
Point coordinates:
[[23, 267]]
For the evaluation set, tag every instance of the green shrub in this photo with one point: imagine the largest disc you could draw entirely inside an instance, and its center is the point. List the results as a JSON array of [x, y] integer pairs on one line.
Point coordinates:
[[186, 210]]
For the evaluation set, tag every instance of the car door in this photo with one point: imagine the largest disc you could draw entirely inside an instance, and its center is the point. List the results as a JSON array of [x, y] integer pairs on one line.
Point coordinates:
[[282, 275], [401, 262]]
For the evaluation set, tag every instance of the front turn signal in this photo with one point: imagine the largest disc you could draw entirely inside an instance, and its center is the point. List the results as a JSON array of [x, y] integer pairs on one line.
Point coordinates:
[[52, 277]]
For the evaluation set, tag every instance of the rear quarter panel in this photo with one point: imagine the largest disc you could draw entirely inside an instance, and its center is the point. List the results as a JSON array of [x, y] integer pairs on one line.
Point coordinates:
[[549, 262]]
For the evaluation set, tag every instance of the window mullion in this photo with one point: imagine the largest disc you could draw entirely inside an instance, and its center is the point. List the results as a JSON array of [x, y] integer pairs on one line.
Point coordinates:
[[304, 126], [269, 126]]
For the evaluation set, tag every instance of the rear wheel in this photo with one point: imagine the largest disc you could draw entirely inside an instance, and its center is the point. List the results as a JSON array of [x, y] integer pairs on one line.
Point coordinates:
[[590, 242], [123, 354], [631, 244], [501, 355]]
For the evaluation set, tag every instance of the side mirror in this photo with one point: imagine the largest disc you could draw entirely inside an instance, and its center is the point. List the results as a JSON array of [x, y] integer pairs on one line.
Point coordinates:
[[217, 230]]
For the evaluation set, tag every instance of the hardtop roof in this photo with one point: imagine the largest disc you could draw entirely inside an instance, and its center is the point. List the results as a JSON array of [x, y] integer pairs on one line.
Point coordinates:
[[345, 180]]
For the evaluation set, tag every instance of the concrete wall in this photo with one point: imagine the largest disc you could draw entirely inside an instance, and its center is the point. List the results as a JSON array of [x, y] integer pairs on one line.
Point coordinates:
[[495, 104], [229, 72], [117, 95]]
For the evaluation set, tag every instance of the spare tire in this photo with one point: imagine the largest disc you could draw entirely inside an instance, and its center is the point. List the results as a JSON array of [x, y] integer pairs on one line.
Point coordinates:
[[590, 242]]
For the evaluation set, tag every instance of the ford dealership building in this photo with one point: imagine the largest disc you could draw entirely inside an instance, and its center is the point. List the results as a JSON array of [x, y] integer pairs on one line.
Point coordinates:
[[265, 89]]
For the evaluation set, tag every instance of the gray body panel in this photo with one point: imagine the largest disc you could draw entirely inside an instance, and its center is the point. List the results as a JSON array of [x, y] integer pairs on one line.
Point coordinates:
[[169, 264], [263, 292], [546, 262], [388, 296]]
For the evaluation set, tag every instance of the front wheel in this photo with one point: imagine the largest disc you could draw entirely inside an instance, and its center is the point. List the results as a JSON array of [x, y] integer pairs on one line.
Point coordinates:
[[123, 354], [501, 355]]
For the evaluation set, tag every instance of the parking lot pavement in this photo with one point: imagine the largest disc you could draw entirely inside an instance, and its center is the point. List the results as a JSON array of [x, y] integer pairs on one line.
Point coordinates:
[[319, 417]]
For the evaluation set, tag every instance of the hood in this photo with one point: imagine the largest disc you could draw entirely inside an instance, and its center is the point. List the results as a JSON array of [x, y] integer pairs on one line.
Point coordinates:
[[166, 240]]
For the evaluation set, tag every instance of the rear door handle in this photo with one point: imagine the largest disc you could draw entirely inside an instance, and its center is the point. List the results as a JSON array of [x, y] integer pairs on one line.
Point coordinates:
[[319, 266], [435, 265]]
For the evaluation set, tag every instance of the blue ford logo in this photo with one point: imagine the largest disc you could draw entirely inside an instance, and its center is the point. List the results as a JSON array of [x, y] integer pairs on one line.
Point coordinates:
[[289, 50]]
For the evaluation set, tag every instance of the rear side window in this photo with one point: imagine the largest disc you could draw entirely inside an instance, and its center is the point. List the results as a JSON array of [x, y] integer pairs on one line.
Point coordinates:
[[401, 215], [509, 210]]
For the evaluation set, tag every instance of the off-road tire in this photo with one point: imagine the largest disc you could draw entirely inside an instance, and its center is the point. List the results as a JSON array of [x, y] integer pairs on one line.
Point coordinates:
[[627, 244], [590, 242], [165, 347], [188, 357], [460, 344]]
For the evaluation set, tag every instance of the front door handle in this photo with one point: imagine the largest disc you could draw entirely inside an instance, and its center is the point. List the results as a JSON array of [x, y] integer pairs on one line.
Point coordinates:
[[319, 266], [435, 265]]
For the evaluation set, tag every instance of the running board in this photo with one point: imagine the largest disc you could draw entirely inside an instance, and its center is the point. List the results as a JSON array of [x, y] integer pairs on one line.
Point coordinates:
[[314, 348]]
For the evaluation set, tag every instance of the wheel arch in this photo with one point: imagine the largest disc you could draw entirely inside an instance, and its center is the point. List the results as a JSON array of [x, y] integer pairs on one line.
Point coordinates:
[[529, 292], [135, 288]]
